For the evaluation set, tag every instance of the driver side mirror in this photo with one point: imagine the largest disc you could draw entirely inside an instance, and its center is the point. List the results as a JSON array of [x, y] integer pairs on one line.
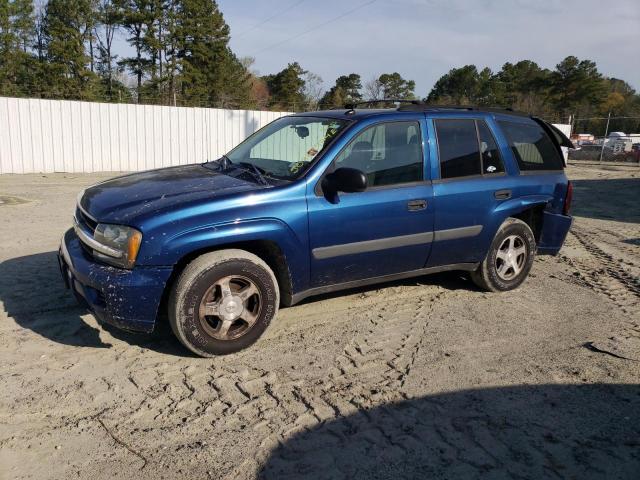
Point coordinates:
[[348, 180]]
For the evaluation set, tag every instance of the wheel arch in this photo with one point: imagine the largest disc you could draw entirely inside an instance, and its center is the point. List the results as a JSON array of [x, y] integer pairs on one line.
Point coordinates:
[[529, 209], [267, 250], [532, 216]]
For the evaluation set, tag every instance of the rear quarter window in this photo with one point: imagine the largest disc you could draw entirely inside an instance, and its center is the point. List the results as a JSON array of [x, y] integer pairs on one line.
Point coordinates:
[[531, 146]]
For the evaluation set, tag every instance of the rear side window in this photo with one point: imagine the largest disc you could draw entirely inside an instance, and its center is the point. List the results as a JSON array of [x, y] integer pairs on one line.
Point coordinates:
[[466, 148], [531, 146], [458, 147]]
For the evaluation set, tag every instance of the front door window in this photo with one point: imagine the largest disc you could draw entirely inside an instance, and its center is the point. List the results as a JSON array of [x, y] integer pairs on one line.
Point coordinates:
[[388, 153]]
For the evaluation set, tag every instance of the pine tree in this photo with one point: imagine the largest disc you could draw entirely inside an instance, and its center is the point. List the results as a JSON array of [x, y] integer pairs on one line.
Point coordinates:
[[524, 86], [394, 86], [109, 16], [576, 86], [66, 30], [17, 33], [347, 89], [287, 87], [209, 73], [137, 15]]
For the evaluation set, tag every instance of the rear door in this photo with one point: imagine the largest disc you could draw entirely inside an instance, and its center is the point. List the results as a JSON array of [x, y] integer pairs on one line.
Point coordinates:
[[470, 181], [538, 158], [387, 228]]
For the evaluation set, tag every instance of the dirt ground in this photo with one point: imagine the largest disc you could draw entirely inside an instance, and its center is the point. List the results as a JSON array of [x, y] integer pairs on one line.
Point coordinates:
[[426, 378]]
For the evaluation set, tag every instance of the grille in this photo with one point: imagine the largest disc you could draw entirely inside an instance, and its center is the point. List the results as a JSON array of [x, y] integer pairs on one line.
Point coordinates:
[[88, 225], [85, 220]]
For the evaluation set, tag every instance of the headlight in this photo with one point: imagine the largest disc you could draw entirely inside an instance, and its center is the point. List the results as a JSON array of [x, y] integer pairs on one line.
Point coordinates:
[[123, 244]]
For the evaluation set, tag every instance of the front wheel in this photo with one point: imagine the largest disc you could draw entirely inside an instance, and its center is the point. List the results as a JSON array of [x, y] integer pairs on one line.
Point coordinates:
[[222, 302], [509, 259]]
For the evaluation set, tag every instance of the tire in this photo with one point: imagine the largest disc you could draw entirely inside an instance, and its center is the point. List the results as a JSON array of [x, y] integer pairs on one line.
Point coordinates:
[[207, 308], [499, 271]]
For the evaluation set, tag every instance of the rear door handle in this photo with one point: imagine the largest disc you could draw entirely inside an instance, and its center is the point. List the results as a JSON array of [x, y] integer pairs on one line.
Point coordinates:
[[502, 194], [415, 205]]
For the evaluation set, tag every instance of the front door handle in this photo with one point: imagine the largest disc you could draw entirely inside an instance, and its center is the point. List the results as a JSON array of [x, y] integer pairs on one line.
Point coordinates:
[[415, 205], [502, 194]]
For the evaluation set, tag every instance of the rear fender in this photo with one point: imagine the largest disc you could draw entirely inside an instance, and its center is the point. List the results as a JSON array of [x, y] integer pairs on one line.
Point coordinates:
[[520, 204], [511, 208]]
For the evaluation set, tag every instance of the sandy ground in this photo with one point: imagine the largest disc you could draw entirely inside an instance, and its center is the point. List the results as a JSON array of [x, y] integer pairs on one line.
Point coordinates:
[[427, 378]]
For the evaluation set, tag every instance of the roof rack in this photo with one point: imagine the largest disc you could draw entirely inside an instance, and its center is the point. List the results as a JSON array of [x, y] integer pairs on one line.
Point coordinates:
[[353, 105], [423, 107]]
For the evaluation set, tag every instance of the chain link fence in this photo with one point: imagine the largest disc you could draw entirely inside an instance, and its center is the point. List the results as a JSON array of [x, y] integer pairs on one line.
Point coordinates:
[[613, 146]]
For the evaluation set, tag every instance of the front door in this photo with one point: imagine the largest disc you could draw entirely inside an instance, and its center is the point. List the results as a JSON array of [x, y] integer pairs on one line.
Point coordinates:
[[387, 228]]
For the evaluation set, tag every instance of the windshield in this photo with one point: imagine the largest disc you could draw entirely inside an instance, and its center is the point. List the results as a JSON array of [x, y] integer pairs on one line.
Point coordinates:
[[286, 147]]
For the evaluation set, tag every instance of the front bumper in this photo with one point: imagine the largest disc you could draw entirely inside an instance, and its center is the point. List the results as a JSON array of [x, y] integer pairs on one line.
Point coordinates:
[[127, 299]]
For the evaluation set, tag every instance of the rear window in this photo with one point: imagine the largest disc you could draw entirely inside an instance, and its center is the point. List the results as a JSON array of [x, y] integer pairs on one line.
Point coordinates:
[[531, 146]]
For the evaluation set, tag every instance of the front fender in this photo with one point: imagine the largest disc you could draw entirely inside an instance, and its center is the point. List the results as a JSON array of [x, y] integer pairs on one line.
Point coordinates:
[[269, 229]]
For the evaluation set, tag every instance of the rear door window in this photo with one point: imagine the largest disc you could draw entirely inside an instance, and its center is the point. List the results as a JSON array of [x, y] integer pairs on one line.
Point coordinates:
[[531, 146], [458, 148]]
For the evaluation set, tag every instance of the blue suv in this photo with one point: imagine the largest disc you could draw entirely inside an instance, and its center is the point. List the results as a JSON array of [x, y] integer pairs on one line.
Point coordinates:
[[318, 202]]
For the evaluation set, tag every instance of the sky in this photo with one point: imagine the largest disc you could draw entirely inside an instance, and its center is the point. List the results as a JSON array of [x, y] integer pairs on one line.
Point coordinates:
[[424, 39]]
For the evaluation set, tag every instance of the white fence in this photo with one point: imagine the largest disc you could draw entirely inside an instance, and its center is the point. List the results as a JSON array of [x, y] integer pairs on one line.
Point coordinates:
[[65, 136]]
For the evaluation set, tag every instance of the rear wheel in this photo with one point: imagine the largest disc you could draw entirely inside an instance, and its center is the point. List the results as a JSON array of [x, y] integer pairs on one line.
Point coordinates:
[[223, 302], [509, 259]]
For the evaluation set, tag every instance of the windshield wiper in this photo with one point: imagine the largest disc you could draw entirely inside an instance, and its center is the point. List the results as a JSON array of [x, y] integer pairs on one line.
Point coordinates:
[[258, 172]]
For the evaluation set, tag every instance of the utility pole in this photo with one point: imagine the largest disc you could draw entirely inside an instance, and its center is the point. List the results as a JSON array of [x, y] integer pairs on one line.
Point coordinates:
[[606, 132]]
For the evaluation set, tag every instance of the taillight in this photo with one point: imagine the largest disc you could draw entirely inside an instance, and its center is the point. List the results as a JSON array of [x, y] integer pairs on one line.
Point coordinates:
[[568, 198]]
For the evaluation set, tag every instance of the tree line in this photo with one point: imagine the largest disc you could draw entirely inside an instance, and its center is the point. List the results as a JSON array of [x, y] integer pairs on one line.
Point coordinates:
[[179, 55]]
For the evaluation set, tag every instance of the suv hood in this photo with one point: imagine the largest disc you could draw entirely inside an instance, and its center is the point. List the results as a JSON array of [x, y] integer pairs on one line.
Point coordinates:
[[125, 199]]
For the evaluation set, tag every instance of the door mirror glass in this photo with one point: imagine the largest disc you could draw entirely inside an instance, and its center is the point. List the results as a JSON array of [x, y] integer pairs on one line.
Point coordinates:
[[349, 180]]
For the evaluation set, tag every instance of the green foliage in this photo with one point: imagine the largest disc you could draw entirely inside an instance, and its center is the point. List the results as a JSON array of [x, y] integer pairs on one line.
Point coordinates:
[[575, 88], [209, 71], [180, 55], [347, 89], [109, 15], [287, 87], [466, 86], [576, 85], [394, 86], [67, 27], [17, 63], [524, 86], [137, 16]]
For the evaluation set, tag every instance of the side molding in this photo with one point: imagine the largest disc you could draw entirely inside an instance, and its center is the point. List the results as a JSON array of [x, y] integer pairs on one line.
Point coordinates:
[[322, 253], [455, 233]]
